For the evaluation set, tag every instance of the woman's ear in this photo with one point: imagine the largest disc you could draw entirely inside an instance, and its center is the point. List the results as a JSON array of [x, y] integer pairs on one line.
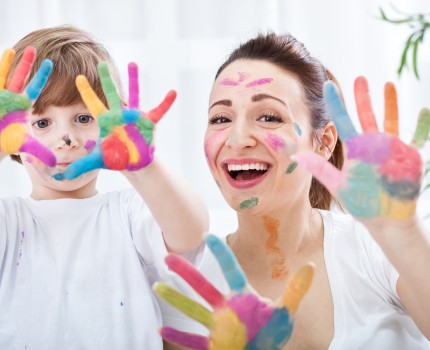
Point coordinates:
[[328, 138]]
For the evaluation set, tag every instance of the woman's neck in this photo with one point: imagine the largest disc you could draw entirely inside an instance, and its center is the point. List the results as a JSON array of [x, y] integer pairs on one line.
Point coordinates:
[[277, 240]]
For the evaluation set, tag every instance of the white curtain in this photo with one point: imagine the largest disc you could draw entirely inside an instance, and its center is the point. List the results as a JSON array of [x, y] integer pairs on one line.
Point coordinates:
[[180, 44]]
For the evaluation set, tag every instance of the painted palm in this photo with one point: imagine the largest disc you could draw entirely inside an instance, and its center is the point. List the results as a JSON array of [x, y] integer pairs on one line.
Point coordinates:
[[241, 320], [15, 104], [125, 134], [382, 175]]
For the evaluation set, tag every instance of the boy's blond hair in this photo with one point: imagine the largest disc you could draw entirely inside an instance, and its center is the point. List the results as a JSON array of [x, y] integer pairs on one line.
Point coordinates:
[[73, 51]]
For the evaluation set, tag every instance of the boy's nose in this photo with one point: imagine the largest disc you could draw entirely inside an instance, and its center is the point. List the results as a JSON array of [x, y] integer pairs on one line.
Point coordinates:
[[66, 141]]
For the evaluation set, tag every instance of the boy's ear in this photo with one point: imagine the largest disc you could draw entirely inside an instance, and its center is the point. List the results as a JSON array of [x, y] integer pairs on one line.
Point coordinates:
[[328, 138]]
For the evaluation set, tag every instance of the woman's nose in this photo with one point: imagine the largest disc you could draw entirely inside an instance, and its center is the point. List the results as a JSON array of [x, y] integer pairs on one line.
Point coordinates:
[[241, 136], [66, 141]]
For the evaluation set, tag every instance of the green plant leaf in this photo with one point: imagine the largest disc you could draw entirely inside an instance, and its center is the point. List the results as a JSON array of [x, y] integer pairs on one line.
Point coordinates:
[[414, 54], [403, 60]]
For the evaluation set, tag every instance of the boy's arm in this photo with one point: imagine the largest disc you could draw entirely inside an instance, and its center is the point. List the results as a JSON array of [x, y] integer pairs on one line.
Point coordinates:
[[176, 206], [126, 144]]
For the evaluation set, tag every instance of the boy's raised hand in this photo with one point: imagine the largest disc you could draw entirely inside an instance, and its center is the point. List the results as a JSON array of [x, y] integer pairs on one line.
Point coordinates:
[[15, 104], [126, 135], [381, 177], [239, 321]]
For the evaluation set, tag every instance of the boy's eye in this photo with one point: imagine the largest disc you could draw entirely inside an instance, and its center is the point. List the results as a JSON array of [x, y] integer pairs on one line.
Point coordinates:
[[219, 119], [270, 118], [84, 118], [41, 124]]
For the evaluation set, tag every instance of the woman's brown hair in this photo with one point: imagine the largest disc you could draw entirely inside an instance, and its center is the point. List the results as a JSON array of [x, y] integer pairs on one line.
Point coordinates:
[[286, 52]]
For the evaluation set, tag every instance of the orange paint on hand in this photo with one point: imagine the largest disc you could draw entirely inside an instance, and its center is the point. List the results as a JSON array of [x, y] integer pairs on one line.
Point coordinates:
[[279, 271], [391, 119]]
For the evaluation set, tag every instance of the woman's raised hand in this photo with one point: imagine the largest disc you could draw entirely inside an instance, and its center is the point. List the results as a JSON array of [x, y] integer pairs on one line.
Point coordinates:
[[126, 134], [241, 320], [382, 175], [15, 104]]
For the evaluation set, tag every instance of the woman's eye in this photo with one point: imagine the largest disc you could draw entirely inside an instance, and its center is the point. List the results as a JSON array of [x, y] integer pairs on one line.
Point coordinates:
[[42, 123], [84, 118], [270, 118], [219, 120]]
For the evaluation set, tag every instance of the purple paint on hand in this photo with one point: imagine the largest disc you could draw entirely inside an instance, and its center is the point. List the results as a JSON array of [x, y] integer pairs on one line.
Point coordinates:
[[18, 117], [146, 152], [370, 148], [253, 313], [259, 82]]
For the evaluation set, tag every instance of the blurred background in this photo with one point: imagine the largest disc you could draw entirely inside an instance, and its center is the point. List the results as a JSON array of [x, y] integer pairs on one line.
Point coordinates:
[[180, 44]]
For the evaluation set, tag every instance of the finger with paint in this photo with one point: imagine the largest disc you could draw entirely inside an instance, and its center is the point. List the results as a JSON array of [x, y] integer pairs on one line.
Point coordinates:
[[15, 104], [126, 135], [241, 320], [382, 175]]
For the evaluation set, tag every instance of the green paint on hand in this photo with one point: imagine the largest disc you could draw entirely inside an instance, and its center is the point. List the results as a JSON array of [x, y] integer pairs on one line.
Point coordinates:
[[291, 167], [249, 203]]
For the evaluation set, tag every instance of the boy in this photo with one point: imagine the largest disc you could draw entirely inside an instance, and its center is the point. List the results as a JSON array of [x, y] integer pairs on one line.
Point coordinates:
[[76, 266]]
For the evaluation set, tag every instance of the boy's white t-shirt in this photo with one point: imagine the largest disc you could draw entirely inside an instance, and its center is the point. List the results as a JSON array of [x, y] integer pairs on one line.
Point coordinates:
[[77, 273], [368, 313]]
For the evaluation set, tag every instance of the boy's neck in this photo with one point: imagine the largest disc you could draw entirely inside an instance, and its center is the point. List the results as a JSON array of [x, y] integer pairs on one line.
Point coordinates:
[[43, 193]]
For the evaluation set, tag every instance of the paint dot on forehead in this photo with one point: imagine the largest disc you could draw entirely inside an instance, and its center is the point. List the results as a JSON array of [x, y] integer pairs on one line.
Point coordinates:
[[228, 82], [249, 203], [274, 142], [259, 82]]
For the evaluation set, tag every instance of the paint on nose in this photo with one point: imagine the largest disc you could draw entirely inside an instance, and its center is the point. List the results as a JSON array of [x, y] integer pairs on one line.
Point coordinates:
[[67, 140]]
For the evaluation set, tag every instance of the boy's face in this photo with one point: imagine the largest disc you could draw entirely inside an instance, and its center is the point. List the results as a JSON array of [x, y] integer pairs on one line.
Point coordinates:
[[70, 133]]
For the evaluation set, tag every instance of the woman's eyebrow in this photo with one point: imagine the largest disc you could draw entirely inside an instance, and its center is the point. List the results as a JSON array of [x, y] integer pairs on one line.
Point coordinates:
[[227, 103], [260, 97]]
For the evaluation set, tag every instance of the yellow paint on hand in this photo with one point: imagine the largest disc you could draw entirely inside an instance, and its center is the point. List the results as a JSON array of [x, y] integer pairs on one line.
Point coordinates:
[[134, 156], [296, 288], [90, 98], [12, 138], [397, 209], [228, 332]]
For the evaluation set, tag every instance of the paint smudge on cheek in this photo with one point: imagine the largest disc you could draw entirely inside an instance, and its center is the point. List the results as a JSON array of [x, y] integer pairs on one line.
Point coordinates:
[[249, 203], [291, 168], [211, 146], [298, 130], [89, 145], [259, 82], [274, 142], [279, 270], [20, 247]]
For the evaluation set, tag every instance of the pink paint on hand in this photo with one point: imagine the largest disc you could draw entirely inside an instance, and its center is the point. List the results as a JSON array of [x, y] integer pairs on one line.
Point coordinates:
[[196, 280], [253, 313], [133, 86], [403, 165], [259, 82], [274, 142], [89, 145], [23, 68], [324, 171]]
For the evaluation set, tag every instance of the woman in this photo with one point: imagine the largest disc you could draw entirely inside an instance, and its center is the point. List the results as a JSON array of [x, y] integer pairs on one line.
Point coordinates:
[[372, 281]]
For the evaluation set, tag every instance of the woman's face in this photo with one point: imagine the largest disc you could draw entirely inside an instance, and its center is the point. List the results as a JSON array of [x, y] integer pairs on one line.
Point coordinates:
[[257, 120]]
